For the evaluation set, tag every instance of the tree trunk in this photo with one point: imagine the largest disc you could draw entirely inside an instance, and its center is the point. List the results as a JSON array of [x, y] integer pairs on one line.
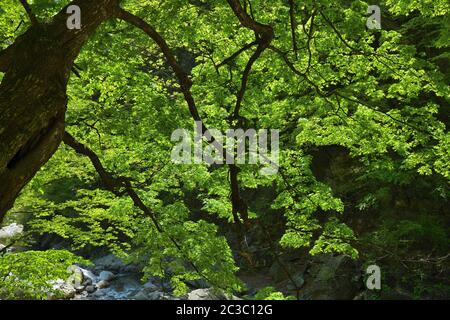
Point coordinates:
[[33, 96]]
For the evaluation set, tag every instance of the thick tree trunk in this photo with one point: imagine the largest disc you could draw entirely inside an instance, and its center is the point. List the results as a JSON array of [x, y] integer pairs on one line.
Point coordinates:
[[33, 94]]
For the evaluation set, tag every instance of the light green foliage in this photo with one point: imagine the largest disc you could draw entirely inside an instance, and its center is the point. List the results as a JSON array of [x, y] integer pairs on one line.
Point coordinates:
[[28, 275], [335, 238], [379, 94], [270, 293]]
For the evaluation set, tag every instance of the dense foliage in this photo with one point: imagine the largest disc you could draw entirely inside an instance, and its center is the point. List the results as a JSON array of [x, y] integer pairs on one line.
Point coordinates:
[[29, 275], [364, 143]]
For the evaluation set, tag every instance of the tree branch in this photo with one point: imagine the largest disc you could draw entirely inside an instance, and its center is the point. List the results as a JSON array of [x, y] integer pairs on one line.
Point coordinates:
[[30, 13], [266, 35], [115, 185], [184, 81], [236, 54], [293, 27]]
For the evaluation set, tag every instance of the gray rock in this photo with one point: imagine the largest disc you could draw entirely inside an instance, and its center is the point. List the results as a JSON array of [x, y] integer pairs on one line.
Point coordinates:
[[155, 295], [61, 290], [299, 282], [109, 262], [80, 289], [278, 272], [90, 289], [150, 286], [11, 231], [131, 268], [140, 296], [102, 284], [87, 282], [330, 278], [209, 294], [87, 274], [106, 276]]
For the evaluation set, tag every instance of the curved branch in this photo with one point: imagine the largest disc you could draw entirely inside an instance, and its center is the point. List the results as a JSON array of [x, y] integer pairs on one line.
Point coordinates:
[[30, 13], [293, 27], [115, 185], [183, 79], [236, 54]]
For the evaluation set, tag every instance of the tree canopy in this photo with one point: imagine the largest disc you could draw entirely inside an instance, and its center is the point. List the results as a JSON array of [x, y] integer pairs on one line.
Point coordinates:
[[363, 116]]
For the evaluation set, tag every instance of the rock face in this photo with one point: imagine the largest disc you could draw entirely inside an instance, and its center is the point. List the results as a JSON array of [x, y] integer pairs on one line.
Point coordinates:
[[330, 278], [10, 231]]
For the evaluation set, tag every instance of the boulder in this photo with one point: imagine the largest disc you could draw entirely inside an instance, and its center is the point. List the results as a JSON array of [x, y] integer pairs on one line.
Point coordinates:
[[299, 281], [76, 278], [61, 290], [141, 295], [88, 274], [278, 272], [131, 268], [332, 277], [10, 231], [150, 286], [106, 276], [109, 262], [102, 284], [87, 282], [90, 289], [209, 294]]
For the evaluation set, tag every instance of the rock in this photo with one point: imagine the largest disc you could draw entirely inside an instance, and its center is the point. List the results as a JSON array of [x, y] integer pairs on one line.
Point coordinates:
[[87, 282], [131, 268], [150, 286], [102, 284], [87, 274], [106, 276], [278, 272], [140, 296], [76, 278], [61, 290], [331, 278], [80, 289], [11, 231], [90, 289], [299, 281], [155, 295], [203, 294], [146, 294], [109, 262], [209, 294]]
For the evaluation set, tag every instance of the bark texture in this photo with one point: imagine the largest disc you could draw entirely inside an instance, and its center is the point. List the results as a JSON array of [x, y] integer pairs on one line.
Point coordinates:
[[33, 95]]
